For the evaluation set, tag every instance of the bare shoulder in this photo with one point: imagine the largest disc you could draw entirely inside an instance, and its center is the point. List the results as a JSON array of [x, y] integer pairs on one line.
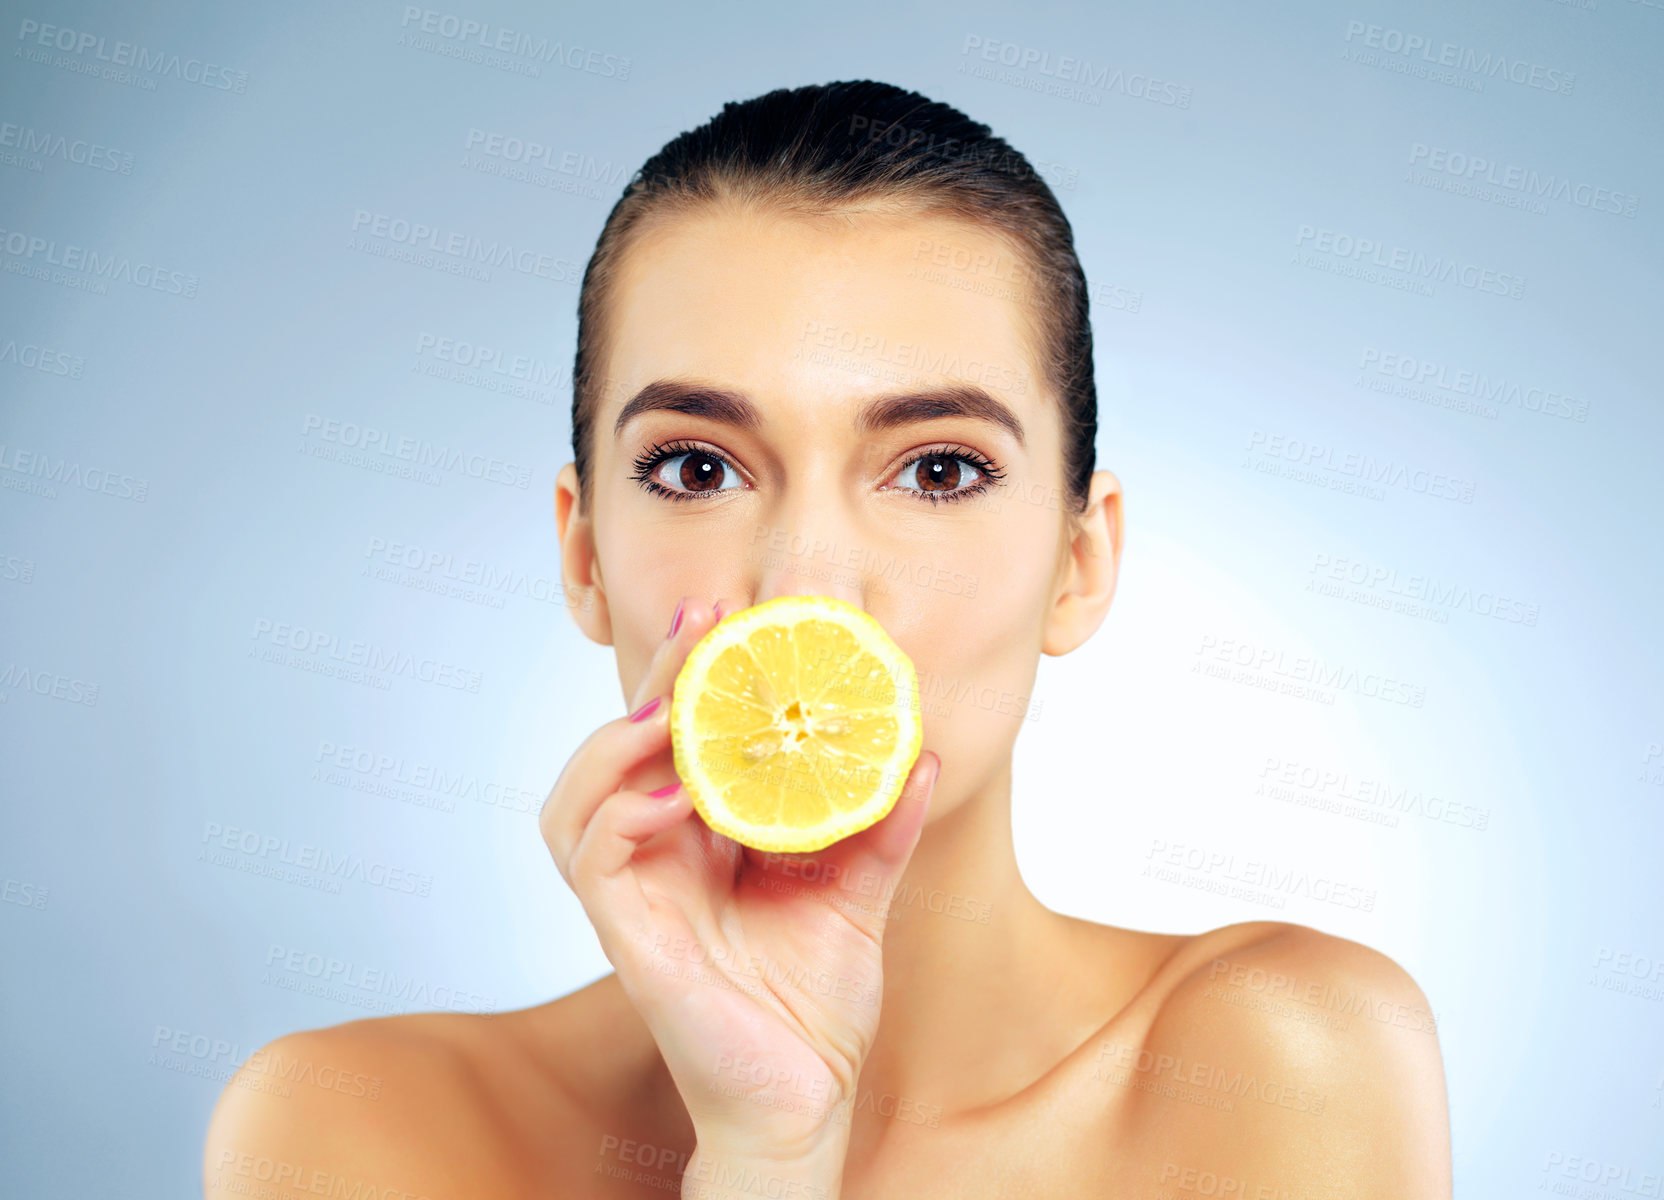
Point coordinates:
[[402, 1102], [1288, 1059], [423, 1104]]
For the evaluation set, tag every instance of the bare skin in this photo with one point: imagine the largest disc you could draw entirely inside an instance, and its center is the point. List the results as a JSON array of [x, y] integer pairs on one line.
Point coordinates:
[[1015, 1051]]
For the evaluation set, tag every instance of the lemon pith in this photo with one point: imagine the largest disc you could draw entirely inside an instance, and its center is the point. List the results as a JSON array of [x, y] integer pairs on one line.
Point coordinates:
[[794, 723]]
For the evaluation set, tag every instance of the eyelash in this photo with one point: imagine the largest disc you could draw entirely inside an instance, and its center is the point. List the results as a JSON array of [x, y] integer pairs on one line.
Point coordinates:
[[646, 463]]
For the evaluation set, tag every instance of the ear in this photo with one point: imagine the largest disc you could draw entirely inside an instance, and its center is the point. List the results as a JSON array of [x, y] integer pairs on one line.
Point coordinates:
[[1091, 564], [580, 570]]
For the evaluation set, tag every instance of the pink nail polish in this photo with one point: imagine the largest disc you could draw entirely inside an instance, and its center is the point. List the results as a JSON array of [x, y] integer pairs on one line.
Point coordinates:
[[676, 621], [717, 608], [666, 790], [646, 710]]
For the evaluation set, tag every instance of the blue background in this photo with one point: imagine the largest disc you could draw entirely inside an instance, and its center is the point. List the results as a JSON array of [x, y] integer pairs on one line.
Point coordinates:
[[1249, 342]]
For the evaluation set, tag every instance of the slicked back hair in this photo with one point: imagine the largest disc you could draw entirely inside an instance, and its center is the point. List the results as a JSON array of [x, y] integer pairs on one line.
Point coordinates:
[[825, 147]]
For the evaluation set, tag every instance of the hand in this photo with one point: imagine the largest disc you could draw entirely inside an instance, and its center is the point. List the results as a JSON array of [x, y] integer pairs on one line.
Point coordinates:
[[759, 975]]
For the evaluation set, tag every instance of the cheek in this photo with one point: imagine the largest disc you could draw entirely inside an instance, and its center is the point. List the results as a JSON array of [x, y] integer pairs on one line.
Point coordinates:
[[647, 563], [975, 687]]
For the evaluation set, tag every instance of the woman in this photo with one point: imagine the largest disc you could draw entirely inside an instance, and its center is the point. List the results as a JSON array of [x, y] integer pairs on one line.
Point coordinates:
[[834, 330]]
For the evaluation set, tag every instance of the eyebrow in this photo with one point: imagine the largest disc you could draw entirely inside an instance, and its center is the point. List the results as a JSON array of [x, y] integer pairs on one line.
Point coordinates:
[[883, 412]]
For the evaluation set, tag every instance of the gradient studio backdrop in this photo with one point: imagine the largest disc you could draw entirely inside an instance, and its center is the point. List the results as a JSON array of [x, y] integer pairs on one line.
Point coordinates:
[[1414, 234]]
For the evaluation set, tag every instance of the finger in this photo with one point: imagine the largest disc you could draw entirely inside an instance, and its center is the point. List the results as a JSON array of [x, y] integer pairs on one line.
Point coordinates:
[[888, 845], [623, 822], [595, 771], [694, 617], [611, 755], [611, 894]]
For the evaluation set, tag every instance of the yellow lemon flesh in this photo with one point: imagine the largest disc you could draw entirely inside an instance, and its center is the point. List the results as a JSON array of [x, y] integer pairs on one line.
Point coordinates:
[[795, 722]]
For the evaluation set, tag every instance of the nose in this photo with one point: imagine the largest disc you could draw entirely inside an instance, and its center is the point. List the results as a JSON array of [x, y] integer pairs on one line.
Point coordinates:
[[810, 558]]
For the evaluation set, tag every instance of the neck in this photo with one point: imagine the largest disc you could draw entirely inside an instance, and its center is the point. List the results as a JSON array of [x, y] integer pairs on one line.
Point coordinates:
[[976, 970]]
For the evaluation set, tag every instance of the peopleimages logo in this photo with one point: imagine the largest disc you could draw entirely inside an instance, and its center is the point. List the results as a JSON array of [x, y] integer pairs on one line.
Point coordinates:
[[17, 570], [1254, 873], [1494, 390], [1366, 576], [1424, 52], [416, 240], [1365, 468], [457, 360], [1410, 264], [94, 49], [32, 254], [417, 453], [327, 865], [34, 357], [1598, 1179], [316, 643], [35, 472], [1066, 69], [1273, 665], [364, 985], [856, 350], [46, 683], [531, 153], [1283, 779], [535, 49], [369, 770], [79, 151], [443, 568], [1476, 169]]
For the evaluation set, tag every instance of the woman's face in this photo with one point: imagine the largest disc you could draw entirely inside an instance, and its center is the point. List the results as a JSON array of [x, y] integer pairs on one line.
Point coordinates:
[[847, 406]]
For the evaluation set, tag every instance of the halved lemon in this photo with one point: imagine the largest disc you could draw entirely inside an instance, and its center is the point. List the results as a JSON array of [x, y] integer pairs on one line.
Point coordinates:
[[794, 723]]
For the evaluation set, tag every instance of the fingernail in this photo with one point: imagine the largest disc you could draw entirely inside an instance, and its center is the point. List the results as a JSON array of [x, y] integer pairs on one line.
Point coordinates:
[[666, 790], [676, 621], [717, 608], [646, 710]]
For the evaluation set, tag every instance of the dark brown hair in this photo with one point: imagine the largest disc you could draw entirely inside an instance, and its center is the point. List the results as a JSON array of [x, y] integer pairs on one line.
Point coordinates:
[[815, 149]]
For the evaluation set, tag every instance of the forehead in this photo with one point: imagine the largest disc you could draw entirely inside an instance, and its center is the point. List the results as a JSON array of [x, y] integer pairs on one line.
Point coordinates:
[[755, 298]]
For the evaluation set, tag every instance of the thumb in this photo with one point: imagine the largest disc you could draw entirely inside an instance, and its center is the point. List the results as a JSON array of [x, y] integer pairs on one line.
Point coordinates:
[[879, 854], [891, 841]]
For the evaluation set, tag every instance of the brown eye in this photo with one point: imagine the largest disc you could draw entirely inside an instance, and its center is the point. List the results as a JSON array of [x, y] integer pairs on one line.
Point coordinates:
[[679, 473], [700, 472], [942, 474], [938, 473]]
